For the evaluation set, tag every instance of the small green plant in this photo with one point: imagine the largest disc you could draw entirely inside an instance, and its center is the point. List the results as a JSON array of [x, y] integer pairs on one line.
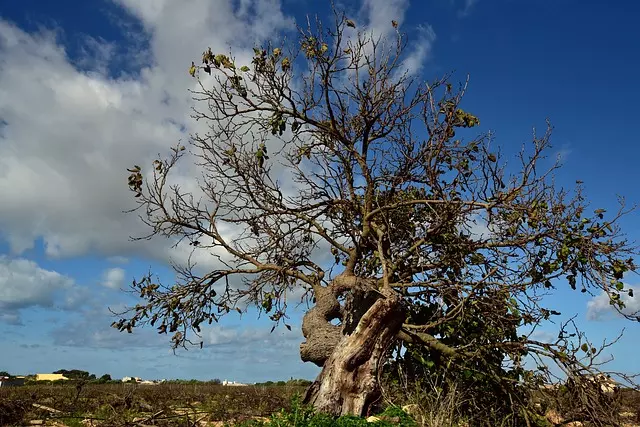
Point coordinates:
[[304, 416]]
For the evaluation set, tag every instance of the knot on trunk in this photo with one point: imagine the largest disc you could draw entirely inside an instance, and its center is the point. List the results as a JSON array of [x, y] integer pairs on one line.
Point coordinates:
[[321, 336], [320, 344]]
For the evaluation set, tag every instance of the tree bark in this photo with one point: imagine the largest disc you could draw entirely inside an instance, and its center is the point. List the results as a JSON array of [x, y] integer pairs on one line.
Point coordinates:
[[348, 382]]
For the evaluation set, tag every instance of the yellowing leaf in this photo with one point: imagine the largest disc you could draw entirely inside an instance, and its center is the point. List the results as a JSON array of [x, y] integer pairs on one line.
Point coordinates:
[[286, 64]]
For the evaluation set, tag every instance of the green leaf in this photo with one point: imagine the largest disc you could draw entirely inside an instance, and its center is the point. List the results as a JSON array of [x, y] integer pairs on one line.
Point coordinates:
[[585, 347], [476, 259], [244, 68]]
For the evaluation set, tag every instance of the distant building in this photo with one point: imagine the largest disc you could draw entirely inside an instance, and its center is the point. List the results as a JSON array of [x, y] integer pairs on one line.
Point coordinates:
[[129, 379], [11, 381], [50, 377]]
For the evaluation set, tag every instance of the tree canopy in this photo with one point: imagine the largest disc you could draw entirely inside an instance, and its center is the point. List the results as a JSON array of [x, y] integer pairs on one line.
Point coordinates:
[[331, 173]]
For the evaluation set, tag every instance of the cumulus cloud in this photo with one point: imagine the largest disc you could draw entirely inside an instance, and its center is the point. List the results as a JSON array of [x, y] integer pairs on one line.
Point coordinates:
[[68, 135], [598, 308], [67, 139], [113, 278], [69, 130], [23, 284]]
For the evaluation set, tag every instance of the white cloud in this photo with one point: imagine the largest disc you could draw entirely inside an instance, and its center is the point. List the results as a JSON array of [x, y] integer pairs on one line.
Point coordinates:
[[376, 17], [543, 336], [91, 329], [68, 135], [220, 336], [478, 227], [113, 278], [598, 308], [467, 8], [225, 336], [10, 318], [379, 14], [116, 259], [24, 284], [421, 50]]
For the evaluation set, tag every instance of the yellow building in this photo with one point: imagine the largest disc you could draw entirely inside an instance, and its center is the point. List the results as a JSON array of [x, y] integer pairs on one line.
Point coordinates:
[[50, 377]]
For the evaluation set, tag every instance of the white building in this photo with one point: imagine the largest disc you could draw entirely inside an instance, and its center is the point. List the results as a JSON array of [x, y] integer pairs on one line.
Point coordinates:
[[232, 383]]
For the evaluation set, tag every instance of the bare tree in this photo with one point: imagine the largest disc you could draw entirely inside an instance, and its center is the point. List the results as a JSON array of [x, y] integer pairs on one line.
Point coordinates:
[[429, 231]]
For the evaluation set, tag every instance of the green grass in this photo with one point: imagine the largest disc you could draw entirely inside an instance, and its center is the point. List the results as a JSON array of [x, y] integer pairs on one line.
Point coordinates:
[[301, 416]]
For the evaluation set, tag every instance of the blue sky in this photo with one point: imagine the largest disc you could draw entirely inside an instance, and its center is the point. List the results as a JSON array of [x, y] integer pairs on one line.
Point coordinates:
[[89, 87]]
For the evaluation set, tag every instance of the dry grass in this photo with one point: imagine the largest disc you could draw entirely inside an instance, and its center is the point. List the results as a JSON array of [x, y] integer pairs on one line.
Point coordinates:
[[211, 405], [130, 404]]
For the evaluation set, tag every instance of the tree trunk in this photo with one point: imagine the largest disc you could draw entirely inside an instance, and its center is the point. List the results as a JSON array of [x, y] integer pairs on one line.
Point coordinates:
[[348, 382]]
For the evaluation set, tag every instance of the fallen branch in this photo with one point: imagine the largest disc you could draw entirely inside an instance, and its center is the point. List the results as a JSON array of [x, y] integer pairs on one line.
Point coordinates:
[[46, 408]]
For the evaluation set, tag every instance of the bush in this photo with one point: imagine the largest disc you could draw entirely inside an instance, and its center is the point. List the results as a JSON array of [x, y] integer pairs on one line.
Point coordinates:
[[12, 411]]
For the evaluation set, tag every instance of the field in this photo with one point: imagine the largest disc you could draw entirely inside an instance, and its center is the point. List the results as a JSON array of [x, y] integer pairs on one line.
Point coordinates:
[[209, 404], [131, 404]]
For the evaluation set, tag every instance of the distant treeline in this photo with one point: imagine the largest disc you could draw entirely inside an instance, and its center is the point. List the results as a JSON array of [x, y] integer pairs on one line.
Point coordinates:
[[291, 382], [84, 376]]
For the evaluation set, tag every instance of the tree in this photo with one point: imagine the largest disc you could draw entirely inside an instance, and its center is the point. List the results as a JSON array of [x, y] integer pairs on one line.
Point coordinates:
[[105, 378], [76, 374], [439, 249]]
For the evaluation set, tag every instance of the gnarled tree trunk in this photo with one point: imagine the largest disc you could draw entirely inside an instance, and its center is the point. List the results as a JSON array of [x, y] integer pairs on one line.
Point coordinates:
[[348, 382]]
